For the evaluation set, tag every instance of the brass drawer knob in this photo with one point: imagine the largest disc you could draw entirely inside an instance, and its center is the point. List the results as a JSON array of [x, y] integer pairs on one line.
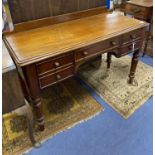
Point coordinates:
[[113, 43], [85, 53], [58, 77], [133, 36], [57, 64]]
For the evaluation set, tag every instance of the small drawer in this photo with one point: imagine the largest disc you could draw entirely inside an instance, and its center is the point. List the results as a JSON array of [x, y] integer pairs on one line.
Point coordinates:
[[50, 79], [132, 36], [97, 48], [51, 65], [125, 49]]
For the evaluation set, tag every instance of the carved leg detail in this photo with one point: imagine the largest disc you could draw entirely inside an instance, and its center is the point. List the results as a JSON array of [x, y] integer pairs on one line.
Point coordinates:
[[134, 66], [30, 124], [37, 107], [108, 60], [31, 81]]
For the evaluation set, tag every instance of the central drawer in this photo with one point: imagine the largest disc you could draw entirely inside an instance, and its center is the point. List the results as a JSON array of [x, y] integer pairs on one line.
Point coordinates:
[[96, 49], [54, 64]]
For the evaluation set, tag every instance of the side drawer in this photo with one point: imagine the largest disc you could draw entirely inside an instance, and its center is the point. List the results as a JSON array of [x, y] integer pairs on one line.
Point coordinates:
[[58, 76], [97, 48], [53, 64], [132, 36], [127, 48]]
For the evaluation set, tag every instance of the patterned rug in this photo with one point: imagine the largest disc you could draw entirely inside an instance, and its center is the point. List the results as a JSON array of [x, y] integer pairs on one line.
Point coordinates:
[[64, 104], [113, 87]]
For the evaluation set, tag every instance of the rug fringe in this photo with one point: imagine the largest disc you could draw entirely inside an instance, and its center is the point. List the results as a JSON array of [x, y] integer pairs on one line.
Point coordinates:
[[66, 129]]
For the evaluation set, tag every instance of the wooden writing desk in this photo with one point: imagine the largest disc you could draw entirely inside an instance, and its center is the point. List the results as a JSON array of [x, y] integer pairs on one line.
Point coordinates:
[[51, 53]]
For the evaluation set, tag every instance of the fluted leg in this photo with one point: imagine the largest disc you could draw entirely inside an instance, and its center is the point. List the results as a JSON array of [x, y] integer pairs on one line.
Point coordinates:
[[37, 109]]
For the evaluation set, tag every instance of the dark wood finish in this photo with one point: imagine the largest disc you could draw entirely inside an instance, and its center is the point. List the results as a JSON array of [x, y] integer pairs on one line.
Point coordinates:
[[96, 49], [27, 10], [52, 65], [33, 24], [127, 48], [134, 65], [31, 81], [109, 56], [140, 12], [56, 77], [143, 10], [52, 53], [132, 36], [148, 36], [119, 46], [24, 88], [39, 44]]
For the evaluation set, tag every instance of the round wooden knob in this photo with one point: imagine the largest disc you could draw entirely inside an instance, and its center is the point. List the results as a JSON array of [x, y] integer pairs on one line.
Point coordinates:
[[113, 43], [57, 64], [85, 53], [133, 36], [58, 77]]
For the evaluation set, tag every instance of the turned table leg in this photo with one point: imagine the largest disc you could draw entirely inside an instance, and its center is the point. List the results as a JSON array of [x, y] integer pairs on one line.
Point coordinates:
[[147, 38], [23, 87], [32, 84], [108, 60], [134, 63], [37, 107]]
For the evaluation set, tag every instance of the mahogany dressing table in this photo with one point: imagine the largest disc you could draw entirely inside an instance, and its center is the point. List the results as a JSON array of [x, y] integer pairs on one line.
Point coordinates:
[[50, 50]]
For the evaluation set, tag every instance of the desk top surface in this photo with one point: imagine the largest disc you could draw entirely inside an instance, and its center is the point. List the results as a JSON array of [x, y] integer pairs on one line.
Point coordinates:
[[41, 43], [144, 3]]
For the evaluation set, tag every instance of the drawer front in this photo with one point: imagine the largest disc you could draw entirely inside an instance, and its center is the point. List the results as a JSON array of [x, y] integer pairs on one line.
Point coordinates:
[[132, 36], [96, 49], [137, 11], [51, 65], [50, 79], [125, 49]]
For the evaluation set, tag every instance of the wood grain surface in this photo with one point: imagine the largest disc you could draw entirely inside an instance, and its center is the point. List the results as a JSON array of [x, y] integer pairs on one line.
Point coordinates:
[[26, 10], [37, 44]]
